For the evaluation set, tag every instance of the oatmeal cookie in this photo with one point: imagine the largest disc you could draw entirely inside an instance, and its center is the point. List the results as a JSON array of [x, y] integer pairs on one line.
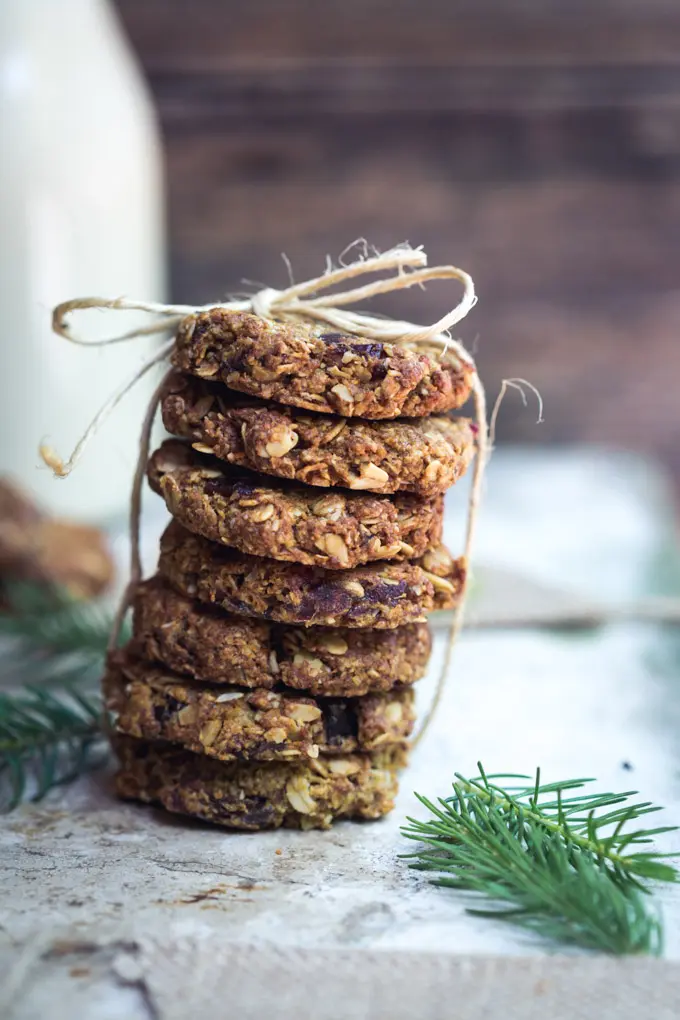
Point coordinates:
[[420, 455], [234, 724], [270, 517], [52, 553], [381, 596], [205, 643], [309, 366], [298, 795]]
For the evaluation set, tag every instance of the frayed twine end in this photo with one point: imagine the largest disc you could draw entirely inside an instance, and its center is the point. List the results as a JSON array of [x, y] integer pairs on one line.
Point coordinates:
[[51, 458]]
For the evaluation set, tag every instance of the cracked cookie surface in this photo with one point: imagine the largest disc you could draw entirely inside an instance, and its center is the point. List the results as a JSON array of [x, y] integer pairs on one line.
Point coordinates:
[[314, 368], [251, 724], [204, 642], [424, 456], [270, 517], [384, 595], [301, 795]]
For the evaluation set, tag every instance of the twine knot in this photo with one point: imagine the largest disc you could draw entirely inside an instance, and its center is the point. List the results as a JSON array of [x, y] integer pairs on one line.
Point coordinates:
[[408, 268], [308, 301], [264, 301]]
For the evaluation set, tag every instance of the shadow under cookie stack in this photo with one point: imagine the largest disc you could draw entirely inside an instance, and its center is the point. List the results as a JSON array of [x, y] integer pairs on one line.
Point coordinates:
[[269, 677]]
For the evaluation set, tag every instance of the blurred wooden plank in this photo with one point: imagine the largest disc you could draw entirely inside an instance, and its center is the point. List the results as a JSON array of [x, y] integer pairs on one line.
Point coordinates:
[[563, 241], [490, 146], [314, 89], [212, 35]]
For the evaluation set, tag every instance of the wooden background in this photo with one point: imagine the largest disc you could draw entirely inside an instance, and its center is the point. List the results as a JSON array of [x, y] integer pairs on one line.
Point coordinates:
[[535, 143]]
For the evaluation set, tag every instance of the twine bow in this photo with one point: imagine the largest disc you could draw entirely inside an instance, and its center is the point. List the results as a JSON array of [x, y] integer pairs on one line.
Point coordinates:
[[408, 268]]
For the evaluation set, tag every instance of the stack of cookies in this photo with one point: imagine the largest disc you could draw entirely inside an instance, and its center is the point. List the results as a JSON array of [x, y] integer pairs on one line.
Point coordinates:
[[269, 677]]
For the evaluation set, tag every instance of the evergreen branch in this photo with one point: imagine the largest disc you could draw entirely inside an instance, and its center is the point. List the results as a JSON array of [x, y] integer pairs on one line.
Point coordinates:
[[557, 862], [53, 653], [49, 638], [46, 737], [54, 621]]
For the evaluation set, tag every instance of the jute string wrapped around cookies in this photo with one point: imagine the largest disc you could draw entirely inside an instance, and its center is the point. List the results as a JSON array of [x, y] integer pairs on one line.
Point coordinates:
[[406, 267]]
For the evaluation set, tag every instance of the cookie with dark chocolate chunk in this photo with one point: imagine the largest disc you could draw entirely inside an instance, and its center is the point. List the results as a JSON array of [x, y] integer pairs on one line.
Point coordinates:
[[270, 517], [308, 794], [205, 643], [420, 455], [236, 724], [308, 366], [382, 596]]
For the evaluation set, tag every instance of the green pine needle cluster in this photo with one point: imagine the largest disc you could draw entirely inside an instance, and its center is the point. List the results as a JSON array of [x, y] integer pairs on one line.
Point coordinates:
[[48, 638], [53, 652], [567, 865], [46, 738]]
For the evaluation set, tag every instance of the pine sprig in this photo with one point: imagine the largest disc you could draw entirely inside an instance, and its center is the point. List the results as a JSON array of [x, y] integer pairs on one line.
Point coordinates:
[[48, 638], [53, 653], [565, 865], [45, 739], [54, 620]]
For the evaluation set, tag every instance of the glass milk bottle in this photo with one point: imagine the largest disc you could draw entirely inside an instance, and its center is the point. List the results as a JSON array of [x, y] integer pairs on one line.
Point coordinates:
[[81, 214]]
